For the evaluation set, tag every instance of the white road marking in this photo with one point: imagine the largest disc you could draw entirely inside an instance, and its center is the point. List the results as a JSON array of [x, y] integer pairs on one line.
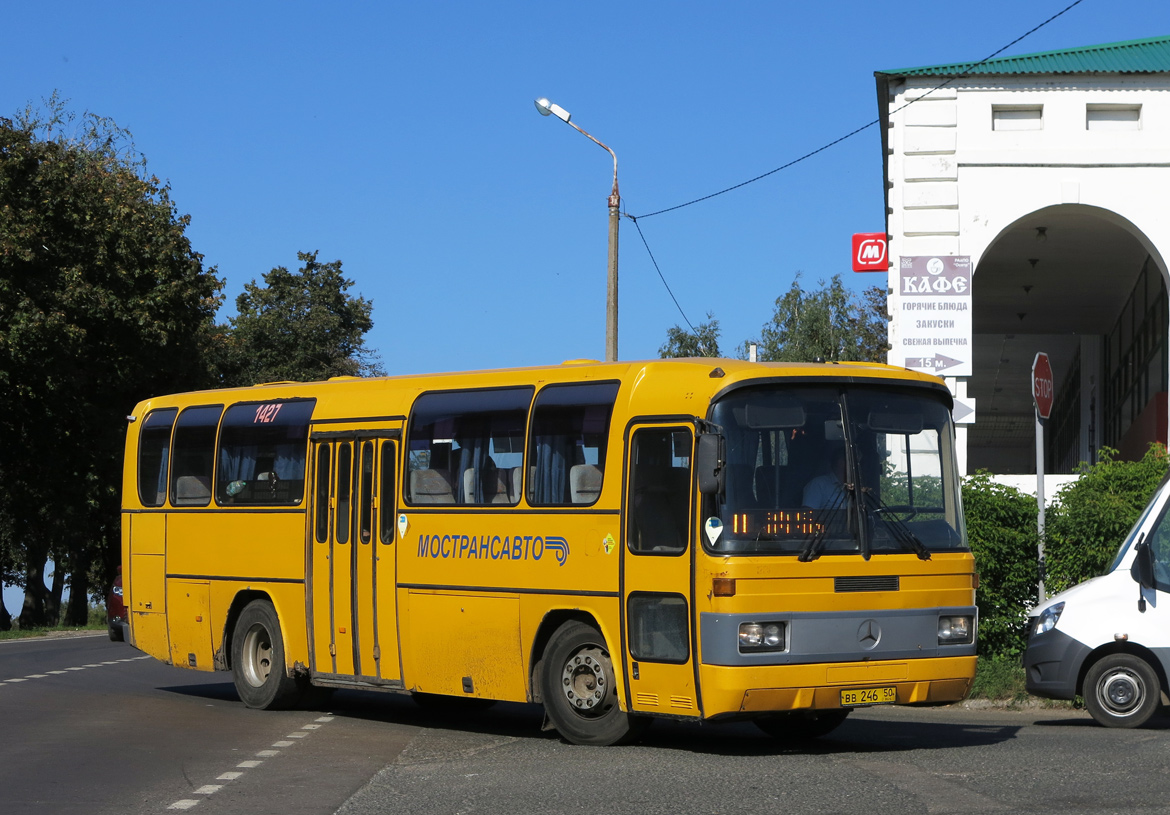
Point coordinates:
[[248, 765], [208, 789], [186, 803], [283, 743], [268, 753], [228, 776]]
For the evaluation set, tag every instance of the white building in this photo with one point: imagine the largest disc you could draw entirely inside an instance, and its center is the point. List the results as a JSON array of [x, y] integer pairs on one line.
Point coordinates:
[[1051, 172]]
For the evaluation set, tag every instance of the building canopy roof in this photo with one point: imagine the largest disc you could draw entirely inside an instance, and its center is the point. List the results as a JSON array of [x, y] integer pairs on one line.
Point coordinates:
[[1131, 57]]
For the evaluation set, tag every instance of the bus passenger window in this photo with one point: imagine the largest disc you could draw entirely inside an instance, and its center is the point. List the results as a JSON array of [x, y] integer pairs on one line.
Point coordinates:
[[660, 482], [194, 456], [154, 447], [570, 432], [262, 453], [467, 447]]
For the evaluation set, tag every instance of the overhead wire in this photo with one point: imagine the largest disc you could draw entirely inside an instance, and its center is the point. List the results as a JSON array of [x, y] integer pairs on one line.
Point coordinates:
[[965, 73]]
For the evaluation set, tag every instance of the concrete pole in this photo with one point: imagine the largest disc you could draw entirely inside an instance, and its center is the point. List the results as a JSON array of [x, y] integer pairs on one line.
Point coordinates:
[[611, 290]]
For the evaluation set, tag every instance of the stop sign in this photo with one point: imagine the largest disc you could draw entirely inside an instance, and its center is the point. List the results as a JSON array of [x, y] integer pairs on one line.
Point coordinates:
[[1042, 389]]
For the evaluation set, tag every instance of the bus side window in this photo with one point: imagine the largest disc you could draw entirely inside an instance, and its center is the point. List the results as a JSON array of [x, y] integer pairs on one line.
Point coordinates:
[[659, 490], [262, 453], [467, 447], [194, 456], [570, 433], [154, 448]]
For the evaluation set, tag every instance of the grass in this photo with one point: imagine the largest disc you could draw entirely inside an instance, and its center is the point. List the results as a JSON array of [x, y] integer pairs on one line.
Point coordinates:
[[96, 622], [1000, 679]]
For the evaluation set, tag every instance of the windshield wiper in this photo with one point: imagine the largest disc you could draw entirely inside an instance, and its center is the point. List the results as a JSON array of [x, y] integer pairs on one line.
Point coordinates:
[[896, 525], [812, 549]]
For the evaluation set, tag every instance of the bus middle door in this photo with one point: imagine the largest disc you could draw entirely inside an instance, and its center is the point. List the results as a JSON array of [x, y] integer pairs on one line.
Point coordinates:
[[352, 568], [656, 571]]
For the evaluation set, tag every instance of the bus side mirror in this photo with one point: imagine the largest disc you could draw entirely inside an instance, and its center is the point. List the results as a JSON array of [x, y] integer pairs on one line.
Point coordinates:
[[1143, 565], [709, 461]]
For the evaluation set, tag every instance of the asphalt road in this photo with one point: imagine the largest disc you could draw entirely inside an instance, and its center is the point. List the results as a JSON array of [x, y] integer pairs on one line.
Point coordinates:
[[90, 726]]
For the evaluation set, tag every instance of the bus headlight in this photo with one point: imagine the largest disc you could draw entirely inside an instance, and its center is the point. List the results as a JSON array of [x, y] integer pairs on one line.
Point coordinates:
[[954, 630], [1048, 618], [761, 637]]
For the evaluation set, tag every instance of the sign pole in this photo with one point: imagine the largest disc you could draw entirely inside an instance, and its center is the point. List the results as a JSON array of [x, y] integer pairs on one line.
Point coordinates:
[[1043, 393], [1040, 504]]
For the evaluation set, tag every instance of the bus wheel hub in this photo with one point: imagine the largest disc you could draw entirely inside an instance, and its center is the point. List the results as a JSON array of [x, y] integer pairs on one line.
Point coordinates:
[[583, 679]]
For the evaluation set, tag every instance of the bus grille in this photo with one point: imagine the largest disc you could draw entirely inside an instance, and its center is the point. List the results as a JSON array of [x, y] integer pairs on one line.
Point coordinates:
[[880, 583]]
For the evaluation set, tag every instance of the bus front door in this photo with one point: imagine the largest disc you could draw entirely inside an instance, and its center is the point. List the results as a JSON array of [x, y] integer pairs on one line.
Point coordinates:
[[352, 572], [656, 571]]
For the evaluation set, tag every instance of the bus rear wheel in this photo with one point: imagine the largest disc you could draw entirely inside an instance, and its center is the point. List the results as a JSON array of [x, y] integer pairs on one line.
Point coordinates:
[[1122, 690], [258, 660], [579, 689]]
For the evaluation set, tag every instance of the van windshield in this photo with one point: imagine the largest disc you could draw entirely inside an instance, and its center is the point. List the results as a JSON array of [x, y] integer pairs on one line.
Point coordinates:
[[839, 469]]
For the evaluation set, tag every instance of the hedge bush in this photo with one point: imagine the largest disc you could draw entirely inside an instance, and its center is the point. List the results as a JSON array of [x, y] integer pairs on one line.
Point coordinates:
[[1085, 524], [1091, 516], [1001, 526]]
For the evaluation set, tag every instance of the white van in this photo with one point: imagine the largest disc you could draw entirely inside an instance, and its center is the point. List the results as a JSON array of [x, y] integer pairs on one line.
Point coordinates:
[[1108, 639]]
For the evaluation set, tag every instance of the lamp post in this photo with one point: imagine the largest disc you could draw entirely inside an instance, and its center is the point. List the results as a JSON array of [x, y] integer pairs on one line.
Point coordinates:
[[611, 295]]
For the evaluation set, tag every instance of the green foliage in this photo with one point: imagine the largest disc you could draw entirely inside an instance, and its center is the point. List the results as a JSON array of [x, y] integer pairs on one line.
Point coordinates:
[[1091, 516], [704, 342], [1001, 526], [298, 326], [1000, 679], [102, 303], [831, 324]]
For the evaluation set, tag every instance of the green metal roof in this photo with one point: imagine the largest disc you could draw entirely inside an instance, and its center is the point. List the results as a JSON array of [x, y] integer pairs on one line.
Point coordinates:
[[1132, 57]]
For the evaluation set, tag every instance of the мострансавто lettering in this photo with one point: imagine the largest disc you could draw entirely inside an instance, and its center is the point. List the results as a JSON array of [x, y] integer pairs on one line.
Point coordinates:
[[493, 547]]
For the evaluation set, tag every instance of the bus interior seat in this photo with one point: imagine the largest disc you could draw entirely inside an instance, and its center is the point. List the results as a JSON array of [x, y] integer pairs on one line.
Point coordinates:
[[514, 484], [584, 483], [192, 489], [495, 485], [430, 487]]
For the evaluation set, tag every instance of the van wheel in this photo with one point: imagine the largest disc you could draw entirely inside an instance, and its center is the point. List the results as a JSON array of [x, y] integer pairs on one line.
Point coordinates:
[[579, 689], [1122, 690], [802, 725], [258, 660]]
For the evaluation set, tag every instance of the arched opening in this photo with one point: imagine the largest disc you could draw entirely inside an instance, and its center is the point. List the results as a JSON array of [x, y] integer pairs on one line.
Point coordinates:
[[1088, 288]]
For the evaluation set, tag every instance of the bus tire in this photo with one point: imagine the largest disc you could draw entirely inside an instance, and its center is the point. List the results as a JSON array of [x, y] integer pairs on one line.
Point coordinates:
[[1122, 690], [802, 725], [579, 689], [258, 660]]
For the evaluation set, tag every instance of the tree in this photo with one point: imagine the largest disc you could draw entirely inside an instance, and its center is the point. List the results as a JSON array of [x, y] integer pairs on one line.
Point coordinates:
[[102, 303], [298, 326], [830, 324], [704, 342]]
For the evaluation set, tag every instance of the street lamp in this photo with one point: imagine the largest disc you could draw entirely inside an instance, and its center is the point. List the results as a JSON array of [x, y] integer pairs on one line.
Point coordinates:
[[611, 296]]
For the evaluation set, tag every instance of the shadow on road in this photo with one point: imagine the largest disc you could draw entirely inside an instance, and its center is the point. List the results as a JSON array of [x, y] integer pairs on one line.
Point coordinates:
[[865, 733]]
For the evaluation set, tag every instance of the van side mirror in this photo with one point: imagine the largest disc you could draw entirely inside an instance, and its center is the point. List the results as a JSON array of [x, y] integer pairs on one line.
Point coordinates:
[[1142, 569], [709, 463]]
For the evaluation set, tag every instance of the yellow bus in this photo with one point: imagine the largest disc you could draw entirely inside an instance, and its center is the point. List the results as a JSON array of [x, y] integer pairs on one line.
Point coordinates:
[[698, 539]]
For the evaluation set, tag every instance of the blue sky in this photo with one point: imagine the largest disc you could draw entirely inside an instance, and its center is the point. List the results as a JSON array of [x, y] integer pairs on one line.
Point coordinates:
[[401, 138]]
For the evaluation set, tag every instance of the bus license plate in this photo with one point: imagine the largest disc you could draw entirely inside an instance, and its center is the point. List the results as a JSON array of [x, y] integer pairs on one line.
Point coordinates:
[[869, 696]]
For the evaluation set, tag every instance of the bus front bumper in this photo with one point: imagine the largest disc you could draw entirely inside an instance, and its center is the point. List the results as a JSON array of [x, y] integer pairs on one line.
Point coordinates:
[[771, 689]]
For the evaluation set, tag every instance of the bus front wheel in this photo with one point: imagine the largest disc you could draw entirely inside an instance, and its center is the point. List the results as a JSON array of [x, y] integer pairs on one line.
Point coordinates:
[[258, 660], [1122, 690], [579, 689]]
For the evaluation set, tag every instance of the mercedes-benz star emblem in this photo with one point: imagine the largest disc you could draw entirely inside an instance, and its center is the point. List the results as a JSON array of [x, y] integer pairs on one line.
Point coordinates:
[[869, 634]]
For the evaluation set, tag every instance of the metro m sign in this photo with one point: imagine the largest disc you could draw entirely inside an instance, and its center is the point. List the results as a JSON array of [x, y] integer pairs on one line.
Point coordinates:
[[869, 252], [1042, 385]]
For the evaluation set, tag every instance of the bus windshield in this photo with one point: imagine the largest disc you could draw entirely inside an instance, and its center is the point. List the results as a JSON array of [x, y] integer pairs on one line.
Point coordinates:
[[844, 469]]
